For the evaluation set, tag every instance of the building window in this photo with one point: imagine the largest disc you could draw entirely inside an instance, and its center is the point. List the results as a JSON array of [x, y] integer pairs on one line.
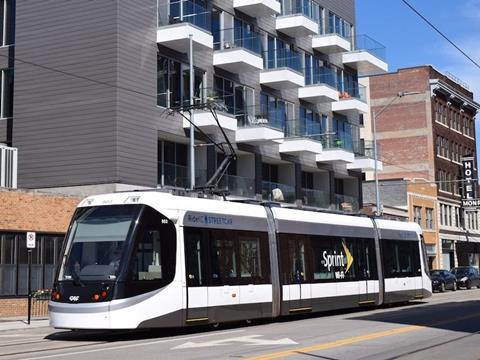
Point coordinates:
[[14, 262], [6, 98], [429, 218], [173, 79], [172, 165], [239, 100], [337, 25], [417, 215]]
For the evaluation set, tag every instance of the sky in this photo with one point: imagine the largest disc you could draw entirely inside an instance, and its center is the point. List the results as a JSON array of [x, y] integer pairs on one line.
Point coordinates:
[[410, 41]]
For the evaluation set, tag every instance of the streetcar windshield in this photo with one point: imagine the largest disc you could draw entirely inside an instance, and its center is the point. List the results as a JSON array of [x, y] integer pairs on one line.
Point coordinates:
[[96, 242]]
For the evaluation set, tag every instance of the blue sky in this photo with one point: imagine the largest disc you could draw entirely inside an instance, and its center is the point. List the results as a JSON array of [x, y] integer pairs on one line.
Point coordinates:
[[410, 41]]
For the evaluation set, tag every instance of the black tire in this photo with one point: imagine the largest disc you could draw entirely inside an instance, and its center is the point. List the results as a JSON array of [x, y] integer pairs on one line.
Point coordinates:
[[468, 284], [442, 287], [454, 288]]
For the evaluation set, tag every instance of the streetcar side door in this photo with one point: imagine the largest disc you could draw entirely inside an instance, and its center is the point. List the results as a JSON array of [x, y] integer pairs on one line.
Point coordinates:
[[366, 271], [299, 287], [196, 279]]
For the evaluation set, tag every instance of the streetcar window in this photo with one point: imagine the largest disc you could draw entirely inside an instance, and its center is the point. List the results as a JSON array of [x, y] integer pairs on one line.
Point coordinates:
[[401, 258], [224, 263], [226, 257], [96, 242], [153, 257], [250, 263]]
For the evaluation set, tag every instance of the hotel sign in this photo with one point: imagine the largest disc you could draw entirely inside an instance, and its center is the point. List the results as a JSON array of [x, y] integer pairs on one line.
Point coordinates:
[[469, 202]]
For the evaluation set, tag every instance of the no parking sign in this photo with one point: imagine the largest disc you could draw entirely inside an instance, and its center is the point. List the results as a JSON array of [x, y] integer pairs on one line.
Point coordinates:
[[31, 236]]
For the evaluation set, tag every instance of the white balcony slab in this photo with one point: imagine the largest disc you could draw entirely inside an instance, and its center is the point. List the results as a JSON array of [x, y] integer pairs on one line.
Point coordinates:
[[205, 121], [330, 43], [176, 37], [257, 8], [282, 78], [335, 155], [300, 146], [318, 93], [365, 164], [258, 134], [296, 25], [350, 106], [237, 60], [365, 62]]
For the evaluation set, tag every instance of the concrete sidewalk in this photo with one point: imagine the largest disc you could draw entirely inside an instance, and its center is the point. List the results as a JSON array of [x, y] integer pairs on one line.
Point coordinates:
[[18, 323]]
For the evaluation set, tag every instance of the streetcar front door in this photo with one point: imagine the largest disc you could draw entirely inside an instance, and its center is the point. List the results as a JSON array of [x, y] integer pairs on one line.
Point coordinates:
[[367, 271], [195, 271], [300, 289]]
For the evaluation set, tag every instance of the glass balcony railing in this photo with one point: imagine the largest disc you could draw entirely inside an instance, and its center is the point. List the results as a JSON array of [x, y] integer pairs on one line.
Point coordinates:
[[318, 76], [307, 8], [316, 198], [259, 115], [273, 191], [346, 203], [338, 140], [281, 58], [366, 43], [177, 176], [347, 91], [183, 11], [238, 186], [303, 128], [237, 38]]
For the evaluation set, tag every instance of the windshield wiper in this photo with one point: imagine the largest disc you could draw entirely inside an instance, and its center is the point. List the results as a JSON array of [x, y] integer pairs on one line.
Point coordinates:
[[76, 279]]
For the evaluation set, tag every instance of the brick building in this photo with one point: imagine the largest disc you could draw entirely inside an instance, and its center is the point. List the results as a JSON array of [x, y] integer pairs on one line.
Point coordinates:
[[48, 216], [425, 135]]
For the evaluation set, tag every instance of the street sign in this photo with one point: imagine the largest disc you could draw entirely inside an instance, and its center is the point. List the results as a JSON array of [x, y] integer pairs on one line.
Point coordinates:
[[31, 236]]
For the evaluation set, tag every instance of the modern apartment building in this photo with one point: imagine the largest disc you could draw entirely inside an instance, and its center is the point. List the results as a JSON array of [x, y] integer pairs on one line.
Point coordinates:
[[424, 134], [95, 82]]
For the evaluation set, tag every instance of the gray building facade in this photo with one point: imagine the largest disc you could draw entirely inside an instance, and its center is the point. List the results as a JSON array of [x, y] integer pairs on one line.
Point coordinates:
[[95, 83]]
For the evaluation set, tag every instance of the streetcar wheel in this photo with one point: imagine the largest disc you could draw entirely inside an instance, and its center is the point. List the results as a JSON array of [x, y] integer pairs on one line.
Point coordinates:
[[215, 325]]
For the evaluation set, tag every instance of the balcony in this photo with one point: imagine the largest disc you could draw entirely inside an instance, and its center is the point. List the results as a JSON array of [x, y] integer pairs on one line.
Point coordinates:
[[237, 51], [205, 120], [238, 186], [331, 43], [336, 148], [315, 198], [8, 166], [320, 86], [176, 176], [368, 56], [365, 158], [346, 203], [256, 125], [180, 19], [283, 70], [301, 137], [272, 191], [298, 18], [352, 100], [257, 8]]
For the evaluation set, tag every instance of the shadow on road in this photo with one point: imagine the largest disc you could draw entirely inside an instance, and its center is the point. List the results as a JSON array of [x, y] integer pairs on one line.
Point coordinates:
[[461, 316]]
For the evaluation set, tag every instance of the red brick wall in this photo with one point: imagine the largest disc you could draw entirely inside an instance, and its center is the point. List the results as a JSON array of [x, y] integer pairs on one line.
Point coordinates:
[[13, 307], [406, 116], [30, 211], [388, 85]]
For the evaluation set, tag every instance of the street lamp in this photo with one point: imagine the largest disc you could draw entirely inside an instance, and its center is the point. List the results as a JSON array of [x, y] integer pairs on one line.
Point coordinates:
[[375, 115]]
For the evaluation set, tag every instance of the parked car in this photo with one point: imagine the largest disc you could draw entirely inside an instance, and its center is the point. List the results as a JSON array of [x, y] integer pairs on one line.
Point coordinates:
[[467, 276], [443, 280]]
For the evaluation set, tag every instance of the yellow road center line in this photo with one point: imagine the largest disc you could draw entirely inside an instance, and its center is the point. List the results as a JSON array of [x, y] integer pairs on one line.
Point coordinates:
[[337, 343], [357, 339]]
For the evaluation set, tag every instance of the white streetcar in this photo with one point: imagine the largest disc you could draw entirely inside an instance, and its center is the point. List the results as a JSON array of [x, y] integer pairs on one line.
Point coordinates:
[[151, 259]]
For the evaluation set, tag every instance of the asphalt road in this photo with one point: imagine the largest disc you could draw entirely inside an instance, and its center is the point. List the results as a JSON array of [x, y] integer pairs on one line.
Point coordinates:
[[445, 326]]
